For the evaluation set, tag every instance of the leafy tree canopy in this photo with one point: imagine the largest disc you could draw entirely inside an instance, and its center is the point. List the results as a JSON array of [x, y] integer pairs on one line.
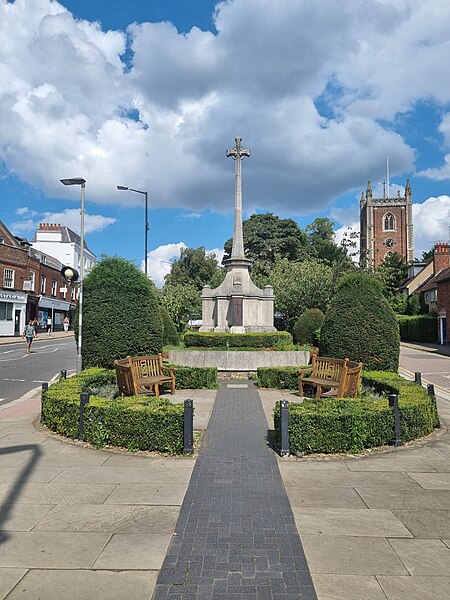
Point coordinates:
[[183, 302], [195, 267], [392, 271], [301, 285], [267, 237], [321, 246]]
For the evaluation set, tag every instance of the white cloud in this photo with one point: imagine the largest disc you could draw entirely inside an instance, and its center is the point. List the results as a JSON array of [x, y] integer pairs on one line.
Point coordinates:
[[270, 74], [431, 223], [70, 217], [160, 259], [25, 211]]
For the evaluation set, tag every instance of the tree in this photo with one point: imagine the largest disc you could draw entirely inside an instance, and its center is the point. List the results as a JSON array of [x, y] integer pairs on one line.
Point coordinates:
[[321, 246], [392, 271], [121, 315], [195, 267], [360, 325], [267, 237], [170, 335], [299, 286], [307, 327], [183, 302]]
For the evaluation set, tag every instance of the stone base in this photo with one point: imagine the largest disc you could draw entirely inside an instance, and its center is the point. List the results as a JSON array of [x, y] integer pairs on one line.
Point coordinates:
[[239, 360]]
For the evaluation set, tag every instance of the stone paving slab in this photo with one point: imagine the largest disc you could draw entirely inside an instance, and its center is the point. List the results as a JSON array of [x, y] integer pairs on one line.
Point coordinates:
[[55, 550], [21, 517], [57, 493], [353, 479], [351, 555], [423, 557], [433, 481], [400, 462], [327, 496], [40, 474], [415, 588], [8, 579], [148, 493], [433, 524], [405, 499], [84, 585], [347, 587], [159, 474], [133, 551], [348, 522], [110, 518]]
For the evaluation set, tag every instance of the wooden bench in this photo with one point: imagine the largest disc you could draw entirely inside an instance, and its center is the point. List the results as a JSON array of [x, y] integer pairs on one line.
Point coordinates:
[[142, 375], [338, 376]]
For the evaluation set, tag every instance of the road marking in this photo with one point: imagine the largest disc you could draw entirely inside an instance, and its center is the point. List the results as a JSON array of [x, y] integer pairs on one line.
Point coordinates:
[[2, 399], [7, 352], [5, 379]]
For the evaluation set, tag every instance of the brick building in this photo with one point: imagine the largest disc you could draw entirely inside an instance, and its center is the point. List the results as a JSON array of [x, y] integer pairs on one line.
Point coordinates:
[[31, 286], [443, 305], [386, 226]]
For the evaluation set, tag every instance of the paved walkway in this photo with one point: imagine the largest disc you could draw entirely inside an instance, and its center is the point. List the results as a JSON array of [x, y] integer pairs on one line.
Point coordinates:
[[83, 523], [236, 537]]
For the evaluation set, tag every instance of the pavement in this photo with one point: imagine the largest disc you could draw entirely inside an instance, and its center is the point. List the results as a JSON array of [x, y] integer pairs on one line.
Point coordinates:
[[17, 339], [77, 522]]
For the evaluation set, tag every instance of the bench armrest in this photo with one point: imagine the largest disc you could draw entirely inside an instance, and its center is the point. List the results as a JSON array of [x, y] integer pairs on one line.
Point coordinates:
[[170, 369], [304, 371]]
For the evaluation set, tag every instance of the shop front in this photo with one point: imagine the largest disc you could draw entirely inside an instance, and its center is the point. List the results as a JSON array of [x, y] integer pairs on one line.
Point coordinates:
[[57, 310], [13, 307]]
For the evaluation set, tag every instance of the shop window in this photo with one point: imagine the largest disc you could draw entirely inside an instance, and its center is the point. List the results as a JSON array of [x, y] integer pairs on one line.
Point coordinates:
[[6, 311], [8, 278], [389, 222], [43, 284], [53, 287]]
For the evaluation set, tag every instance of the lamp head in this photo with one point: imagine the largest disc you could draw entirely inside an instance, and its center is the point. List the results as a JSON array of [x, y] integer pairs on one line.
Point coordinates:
[[73, 181], [122, 187]]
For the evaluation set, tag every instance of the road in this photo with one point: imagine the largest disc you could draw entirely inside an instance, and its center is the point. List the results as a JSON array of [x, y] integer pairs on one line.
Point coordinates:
[[21, 372], [435, 368]]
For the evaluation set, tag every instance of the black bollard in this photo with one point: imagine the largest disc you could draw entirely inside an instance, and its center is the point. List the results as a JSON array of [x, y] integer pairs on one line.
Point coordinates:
[[188, 437], [63, 374], [393, 401], [84, 399], [432, 394], [284, 429], [44, 386], [418, 378]]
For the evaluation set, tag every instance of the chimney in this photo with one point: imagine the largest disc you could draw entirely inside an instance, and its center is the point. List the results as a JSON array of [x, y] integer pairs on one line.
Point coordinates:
[[441, 257]]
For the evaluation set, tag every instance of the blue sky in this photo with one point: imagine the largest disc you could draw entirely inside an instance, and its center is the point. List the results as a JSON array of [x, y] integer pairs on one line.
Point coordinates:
[[150, 94]]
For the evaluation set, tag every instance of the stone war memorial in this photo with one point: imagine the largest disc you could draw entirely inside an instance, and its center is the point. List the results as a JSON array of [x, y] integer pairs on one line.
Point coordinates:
[[237, 305]]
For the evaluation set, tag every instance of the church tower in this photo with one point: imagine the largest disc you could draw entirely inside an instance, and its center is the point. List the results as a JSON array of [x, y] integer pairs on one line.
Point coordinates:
[[386, 226]]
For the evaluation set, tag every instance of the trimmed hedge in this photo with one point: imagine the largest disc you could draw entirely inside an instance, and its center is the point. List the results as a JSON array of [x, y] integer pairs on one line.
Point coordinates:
[[170, 335], [237, 340], [307, 327], [135, 423], [195, 377], [360, 325], [418, 328], [350, 425], [282, 378]]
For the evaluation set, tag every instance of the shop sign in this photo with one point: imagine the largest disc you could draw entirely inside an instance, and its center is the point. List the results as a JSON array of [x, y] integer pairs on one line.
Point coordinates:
[[12, 297]]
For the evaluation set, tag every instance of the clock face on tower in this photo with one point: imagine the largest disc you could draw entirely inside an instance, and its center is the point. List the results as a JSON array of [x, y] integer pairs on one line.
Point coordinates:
[[389, 243]]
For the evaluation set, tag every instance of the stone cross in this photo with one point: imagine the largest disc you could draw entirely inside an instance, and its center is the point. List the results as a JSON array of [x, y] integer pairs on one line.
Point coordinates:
[[238, 154]]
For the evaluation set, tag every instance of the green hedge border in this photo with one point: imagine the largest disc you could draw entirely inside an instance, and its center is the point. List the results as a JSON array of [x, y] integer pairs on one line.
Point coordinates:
[[418, 328], [134, 423], [331, 425], [237, 340]]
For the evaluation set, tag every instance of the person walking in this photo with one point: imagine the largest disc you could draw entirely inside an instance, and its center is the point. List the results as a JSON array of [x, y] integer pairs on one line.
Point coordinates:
[[35, 325], [66, 323], [49, 325], [28, 334]]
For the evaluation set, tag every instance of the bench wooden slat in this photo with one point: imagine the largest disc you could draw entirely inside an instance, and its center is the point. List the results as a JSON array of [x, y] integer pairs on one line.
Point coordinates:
[[332, 374], [142, 375]]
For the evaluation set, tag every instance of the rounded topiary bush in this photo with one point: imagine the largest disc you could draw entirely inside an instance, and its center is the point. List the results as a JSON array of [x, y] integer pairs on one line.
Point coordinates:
[[360, 324], [170, 335], [307, 327], [121, 315]]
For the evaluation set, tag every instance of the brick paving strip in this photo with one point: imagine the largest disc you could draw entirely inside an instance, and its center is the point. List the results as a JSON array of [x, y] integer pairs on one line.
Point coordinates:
[[236, 536]]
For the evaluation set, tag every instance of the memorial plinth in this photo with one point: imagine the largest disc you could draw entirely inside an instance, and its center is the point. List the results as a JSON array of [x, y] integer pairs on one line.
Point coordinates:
[[237, 305]]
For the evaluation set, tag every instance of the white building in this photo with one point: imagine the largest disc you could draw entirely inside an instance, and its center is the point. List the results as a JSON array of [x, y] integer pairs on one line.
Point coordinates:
[[63, 244]]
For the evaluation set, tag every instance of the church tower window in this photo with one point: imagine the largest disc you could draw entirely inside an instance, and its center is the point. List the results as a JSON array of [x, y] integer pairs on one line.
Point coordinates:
[[389, 222]]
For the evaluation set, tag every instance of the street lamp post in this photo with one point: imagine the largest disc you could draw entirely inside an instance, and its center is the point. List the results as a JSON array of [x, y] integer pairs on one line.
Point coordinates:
[[124, 187], [82, 183]]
